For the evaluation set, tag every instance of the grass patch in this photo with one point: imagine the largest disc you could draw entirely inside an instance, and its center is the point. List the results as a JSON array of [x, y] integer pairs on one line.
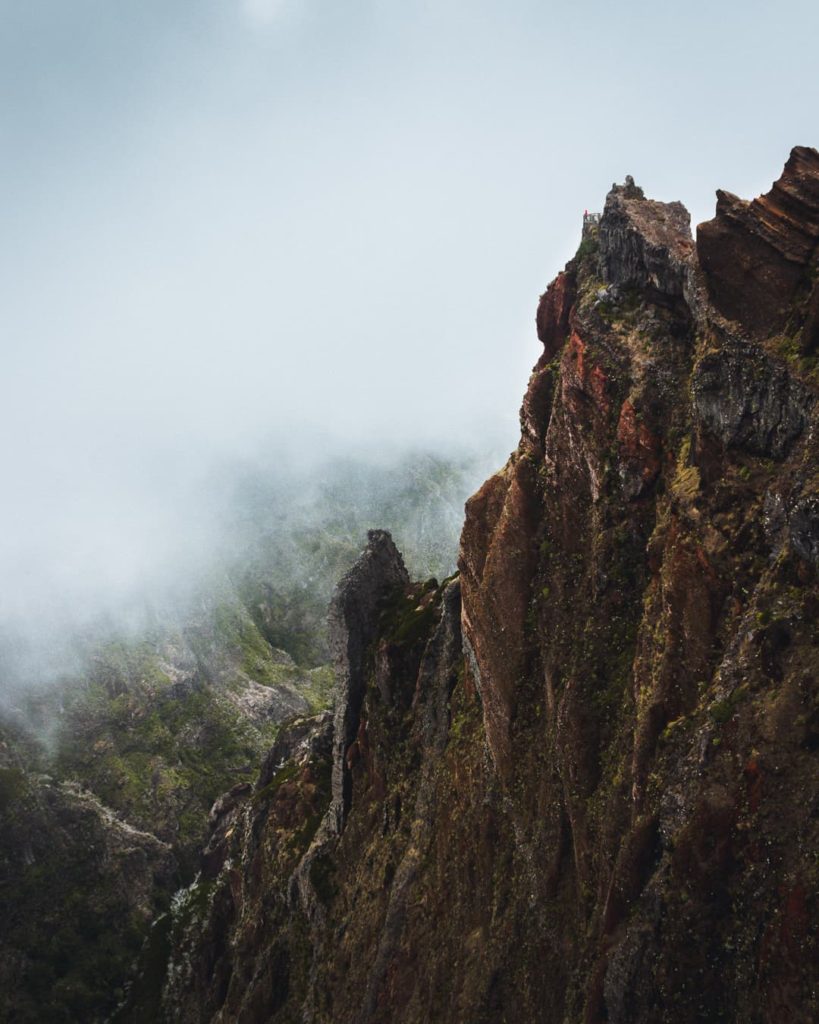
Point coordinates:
[[686, 483]]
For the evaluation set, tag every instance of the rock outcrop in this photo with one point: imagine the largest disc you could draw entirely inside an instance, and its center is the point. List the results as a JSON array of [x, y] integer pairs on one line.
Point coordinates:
[[626, 600], [263, 934], [758, 255], [354, 612], [644, 244], [579, 783]]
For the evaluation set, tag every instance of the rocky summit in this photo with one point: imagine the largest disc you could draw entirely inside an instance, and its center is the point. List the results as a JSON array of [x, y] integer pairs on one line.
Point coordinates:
[[577, 782]]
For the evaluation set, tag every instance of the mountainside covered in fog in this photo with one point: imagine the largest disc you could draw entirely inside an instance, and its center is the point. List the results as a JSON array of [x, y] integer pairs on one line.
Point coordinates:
[[578, 782], [110, 764]]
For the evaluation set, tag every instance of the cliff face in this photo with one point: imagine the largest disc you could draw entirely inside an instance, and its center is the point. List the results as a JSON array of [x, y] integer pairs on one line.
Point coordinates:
[[579, 782], [641, 606], [758, 255]]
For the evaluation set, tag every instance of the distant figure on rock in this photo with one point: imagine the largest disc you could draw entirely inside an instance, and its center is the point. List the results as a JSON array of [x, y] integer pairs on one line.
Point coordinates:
[[590, 223]]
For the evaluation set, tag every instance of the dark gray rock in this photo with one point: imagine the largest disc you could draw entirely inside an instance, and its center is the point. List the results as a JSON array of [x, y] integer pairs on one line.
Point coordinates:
[[352, 621], [803, 527], [352, 626], [644, 243], [628, 974], [299, 740], [747, 401], [436, 676]]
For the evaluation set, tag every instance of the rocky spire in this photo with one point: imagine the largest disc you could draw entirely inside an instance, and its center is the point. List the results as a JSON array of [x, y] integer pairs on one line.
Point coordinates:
[[353, 619], [644, 243]]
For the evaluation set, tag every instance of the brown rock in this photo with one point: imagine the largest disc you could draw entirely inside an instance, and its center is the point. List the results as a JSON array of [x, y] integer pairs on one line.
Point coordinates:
[[553, 312], [496, 563], [644, 243], [755, 254]]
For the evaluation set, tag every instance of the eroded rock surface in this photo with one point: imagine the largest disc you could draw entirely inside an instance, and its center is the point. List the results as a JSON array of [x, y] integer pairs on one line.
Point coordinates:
[[757, 254], [644, 244], [352, 620], [748, 401]]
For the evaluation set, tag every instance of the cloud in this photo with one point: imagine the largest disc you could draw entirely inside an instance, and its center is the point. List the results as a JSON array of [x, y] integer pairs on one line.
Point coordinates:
[[264, 11]]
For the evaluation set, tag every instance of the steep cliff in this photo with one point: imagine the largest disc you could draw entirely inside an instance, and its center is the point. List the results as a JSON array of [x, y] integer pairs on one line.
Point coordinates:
[[579, 782]]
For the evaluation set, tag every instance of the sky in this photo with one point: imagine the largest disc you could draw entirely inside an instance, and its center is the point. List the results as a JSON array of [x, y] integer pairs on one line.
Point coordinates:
[[230, 228]]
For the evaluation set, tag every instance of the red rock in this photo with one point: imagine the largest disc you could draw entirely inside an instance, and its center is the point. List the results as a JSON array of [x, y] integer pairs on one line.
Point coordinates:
[[755, 254], [497, 562], [553, 313], [640, 450], [619, 855], [553, 319]]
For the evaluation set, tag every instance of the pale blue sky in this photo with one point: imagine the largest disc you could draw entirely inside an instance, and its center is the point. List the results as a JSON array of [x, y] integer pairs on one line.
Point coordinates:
[[230, 221]]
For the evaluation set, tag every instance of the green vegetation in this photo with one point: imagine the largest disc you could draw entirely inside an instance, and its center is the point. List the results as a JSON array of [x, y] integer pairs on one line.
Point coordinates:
[[791, 349], [285, 774], [588, 248], [236, 631], [160, 756], [160, 722], [686, 482], [722, 711], [13, 787], [407, 616], [69, 910], [466, 721]]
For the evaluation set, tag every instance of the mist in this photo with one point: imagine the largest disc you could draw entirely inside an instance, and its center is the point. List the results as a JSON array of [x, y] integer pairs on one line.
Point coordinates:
[[267, 236]]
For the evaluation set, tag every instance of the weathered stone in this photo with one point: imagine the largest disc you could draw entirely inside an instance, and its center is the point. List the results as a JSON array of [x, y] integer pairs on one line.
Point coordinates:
[[353, 619], [749, 402], [755, 254], [640, 452], [803, 526], [554, 307], [298, 739], [496, 562], [645, 244]]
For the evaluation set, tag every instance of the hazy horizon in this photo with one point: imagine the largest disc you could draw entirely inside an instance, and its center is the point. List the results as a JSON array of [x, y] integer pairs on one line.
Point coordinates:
[[242, 227]]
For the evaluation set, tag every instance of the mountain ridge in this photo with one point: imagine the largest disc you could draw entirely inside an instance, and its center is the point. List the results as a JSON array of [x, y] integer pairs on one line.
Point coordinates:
[[599, 803]]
